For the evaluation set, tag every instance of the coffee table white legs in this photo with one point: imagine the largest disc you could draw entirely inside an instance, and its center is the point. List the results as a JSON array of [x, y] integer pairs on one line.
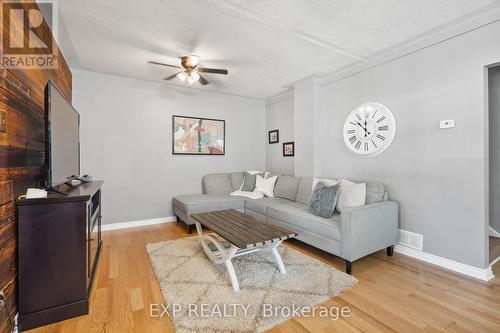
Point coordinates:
[[232, 275], [278, 260], [224, 255], [220, 256]]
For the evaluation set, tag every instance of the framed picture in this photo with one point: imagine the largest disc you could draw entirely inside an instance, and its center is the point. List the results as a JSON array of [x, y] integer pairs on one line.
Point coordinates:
[[198, 136], [274, 136], [288, 149]]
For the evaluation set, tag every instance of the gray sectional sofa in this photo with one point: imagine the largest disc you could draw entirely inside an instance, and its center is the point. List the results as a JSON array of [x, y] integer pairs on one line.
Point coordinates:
[[351, 234]]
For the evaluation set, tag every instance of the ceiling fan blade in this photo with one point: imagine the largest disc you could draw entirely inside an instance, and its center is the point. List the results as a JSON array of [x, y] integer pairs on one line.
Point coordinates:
[[171, 77], [212, 70], [203, 81], [161, 64]]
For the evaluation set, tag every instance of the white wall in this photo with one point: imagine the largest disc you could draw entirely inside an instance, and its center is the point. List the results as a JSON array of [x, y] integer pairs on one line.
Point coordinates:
[[279, 115], [438, 176], [307, 120], [126, 140]]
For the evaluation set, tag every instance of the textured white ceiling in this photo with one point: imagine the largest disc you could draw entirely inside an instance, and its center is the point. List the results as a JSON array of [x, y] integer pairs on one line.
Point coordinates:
[[266, 45]]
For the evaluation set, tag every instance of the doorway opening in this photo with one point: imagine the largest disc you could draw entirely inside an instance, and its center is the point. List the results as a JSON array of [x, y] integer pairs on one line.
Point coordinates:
[[494, 162]]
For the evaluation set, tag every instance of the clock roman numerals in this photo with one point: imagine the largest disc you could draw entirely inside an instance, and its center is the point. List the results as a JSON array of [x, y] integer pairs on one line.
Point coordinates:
[[369, 129]]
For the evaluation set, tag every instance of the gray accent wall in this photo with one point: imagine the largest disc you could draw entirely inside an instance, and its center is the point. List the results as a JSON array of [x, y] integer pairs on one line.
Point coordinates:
[[126, 140], [438, 176], [279, 115], [494, 126]]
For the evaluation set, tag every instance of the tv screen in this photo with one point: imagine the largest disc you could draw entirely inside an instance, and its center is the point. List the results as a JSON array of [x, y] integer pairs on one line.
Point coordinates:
[[63, 137]]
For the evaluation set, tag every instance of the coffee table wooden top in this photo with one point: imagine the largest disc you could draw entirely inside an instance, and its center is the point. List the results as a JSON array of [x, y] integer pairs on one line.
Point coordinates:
[[241, 229]]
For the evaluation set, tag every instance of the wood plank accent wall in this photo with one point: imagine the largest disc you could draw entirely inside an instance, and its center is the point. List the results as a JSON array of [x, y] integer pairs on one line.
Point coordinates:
[[22, 154]]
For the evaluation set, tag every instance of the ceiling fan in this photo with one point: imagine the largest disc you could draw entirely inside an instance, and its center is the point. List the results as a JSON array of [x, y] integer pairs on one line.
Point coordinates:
[[190, 70]]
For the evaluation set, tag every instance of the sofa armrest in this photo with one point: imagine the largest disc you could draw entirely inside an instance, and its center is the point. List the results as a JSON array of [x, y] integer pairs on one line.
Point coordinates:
[[367, 229]]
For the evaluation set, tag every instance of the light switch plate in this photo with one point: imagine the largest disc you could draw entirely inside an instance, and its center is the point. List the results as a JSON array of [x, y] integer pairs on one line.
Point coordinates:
[[3, 121], [450, 123]]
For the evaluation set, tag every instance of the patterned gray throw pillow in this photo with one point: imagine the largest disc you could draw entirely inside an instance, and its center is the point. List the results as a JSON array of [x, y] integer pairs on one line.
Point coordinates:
[[324, 199], [249, 181]]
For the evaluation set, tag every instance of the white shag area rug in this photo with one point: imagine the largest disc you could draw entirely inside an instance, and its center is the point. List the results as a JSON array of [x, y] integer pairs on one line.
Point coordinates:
[[199, 297]]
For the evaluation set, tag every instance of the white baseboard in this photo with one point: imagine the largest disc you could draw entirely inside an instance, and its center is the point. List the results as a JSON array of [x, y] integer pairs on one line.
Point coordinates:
[[485, 274], [138, 223], [494, 233]]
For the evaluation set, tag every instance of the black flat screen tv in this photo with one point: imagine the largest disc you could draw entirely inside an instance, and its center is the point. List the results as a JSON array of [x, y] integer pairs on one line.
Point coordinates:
[[62, 157]]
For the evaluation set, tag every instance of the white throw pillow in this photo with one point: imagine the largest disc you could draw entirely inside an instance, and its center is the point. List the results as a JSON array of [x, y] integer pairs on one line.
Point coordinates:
[[328, 182], [248, 194], [351, 195], [265, 185]]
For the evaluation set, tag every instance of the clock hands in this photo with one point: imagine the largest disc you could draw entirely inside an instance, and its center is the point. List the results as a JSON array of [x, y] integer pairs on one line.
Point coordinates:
[[366, 131]]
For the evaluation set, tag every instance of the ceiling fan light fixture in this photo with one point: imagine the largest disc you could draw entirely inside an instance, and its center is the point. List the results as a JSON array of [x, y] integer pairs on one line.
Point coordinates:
[[190, 69], [191, 60], [193, 77], [182, 76]]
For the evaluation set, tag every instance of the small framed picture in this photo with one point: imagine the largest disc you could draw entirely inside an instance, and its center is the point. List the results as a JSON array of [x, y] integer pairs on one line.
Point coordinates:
[[288, 149], [274, 136]]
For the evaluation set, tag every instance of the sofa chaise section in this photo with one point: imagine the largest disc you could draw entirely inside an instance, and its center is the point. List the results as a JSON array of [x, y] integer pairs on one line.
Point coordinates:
[[216, 189], [185, 205]]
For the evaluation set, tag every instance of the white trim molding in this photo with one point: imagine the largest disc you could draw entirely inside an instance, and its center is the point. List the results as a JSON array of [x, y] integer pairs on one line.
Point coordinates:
[[138, 223], [283, 96], [493, 232], [485, 274], [458, 27]]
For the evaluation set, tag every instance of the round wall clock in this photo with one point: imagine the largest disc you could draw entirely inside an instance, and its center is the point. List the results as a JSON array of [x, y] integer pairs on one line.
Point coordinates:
[[369, 129]]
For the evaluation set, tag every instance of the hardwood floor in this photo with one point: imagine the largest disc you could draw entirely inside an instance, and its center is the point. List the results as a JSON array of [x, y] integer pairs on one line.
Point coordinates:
[[494, 248], [393, 294]]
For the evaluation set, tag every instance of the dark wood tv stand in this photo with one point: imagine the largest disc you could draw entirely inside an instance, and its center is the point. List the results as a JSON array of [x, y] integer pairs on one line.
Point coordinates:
[[59, 239]]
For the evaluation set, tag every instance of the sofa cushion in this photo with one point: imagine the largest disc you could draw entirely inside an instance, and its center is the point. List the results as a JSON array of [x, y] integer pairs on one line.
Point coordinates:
[[260, 205], [286, 187], [304, 191], [374, 192], [217, 184], [236, 180], [324, 199], [200, 203], [326, 181], [270, 174], [297, 214]]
